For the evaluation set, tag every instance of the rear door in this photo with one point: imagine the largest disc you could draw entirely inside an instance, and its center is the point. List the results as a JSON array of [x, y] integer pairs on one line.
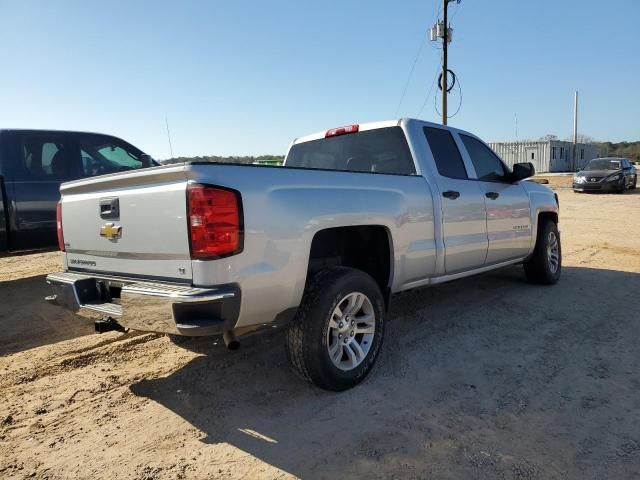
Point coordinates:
[[507, 204], [42, 161], [464, 224]]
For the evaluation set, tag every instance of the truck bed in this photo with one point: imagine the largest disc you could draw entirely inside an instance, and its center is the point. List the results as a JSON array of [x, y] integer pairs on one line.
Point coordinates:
[[282, 210]]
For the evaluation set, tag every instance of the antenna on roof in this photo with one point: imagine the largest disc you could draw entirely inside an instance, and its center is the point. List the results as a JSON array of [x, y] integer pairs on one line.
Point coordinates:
[[166, 121]]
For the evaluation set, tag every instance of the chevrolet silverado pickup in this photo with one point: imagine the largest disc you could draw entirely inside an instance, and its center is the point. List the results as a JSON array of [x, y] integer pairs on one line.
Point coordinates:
[[33, 164], [355, 215]]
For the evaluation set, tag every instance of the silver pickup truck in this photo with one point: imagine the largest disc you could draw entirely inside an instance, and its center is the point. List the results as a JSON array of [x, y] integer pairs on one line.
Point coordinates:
[[356, 214]]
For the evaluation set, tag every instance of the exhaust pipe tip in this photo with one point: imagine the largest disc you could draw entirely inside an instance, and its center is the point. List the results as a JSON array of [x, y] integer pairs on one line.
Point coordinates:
[[230, 340]]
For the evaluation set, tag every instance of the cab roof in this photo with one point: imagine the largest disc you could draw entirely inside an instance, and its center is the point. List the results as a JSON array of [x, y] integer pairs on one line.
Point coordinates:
[[362, 127]]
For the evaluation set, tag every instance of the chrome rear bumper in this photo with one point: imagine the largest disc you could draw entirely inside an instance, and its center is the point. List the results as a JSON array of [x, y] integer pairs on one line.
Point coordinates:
[[148, 306]]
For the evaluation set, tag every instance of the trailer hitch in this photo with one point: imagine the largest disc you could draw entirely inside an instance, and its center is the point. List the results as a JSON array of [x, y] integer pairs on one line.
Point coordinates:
[[108, 324]]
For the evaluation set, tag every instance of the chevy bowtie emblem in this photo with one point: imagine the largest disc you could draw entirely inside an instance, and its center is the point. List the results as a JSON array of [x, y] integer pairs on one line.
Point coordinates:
[[110, 231]]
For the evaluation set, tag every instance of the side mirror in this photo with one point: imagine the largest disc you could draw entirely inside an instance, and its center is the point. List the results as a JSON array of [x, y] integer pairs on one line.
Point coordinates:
[[146, 160], [523, 170]]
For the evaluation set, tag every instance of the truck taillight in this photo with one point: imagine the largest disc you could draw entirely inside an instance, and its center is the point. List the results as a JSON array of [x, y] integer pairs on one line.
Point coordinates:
[[334, 132], [214, 221], [59, 226]]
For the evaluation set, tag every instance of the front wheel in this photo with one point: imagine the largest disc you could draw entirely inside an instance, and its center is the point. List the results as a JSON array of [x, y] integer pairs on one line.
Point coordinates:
[[336, 335], [545, 264]]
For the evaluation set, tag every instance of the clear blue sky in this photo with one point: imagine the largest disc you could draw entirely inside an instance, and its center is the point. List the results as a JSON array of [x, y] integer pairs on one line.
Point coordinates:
[[245, 77]]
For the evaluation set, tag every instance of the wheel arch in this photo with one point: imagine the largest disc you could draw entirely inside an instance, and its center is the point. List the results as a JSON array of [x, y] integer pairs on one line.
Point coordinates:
[[365, 247], [542, 217]]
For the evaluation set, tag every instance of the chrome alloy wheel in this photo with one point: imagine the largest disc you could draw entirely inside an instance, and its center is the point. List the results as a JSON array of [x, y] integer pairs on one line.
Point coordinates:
[[553, 252], [350, 332]]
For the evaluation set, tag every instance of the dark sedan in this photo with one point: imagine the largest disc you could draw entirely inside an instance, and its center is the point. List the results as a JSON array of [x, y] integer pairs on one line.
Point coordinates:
[[606, 175]]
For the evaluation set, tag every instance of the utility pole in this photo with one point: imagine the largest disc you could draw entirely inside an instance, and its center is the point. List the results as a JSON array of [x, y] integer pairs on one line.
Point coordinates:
[[445, 4], [575, 129], [442, 30]]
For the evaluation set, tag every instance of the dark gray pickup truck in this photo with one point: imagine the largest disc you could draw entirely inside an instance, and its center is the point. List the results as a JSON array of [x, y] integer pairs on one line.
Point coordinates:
[[33, 164]]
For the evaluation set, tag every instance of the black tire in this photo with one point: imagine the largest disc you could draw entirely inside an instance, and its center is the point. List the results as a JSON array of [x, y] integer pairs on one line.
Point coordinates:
[[538, 268], [306, 335], [635, 181]]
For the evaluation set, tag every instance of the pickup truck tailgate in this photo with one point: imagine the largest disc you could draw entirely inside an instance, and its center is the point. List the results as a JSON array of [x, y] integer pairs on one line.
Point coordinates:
[[129, 225]]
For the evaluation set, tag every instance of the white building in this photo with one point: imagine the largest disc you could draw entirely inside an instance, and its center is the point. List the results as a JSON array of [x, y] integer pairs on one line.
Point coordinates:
[[546, 155]]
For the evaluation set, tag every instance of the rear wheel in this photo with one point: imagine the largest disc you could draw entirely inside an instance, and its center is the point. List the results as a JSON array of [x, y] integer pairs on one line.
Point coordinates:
[[545, 264], [336, 335], [635, 181]]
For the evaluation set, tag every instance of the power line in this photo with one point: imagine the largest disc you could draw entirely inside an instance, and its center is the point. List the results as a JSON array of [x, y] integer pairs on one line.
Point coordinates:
[[413, 66], [435, 102], [460, 102], [406, 85], [426, 99]]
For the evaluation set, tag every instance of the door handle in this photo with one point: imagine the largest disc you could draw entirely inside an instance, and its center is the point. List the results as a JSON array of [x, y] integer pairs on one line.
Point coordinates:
[[492, 195], [109, 207], [451, 194]]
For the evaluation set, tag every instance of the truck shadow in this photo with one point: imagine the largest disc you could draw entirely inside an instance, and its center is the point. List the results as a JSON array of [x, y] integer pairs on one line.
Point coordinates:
[[492, 350], [27, 321]]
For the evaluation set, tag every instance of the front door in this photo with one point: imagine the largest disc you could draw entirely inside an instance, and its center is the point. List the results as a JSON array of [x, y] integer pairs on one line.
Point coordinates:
[[464, 226], [507, 204]]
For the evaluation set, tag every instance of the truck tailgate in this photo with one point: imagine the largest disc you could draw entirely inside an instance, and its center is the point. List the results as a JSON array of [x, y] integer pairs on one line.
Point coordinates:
[[128, 224]]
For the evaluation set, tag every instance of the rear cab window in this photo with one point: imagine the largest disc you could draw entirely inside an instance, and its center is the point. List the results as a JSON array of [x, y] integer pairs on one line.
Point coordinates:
[[445, 153], [382, 150]]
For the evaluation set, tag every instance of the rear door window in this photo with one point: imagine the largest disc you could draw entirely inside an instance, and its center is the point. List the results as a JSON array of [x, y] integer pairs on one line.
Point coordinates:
[[383, 150], [445, 153]]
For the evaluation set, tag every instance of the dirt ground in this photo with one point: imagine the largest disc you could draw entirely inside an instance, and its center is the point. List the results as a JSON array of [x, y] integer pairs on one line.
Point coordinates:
[[482, 378]]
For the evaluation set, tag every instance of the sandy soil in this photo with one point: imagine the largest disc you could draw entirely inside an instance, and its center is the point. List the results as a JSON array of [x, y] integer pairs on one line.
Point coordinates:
[[483, 378]]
